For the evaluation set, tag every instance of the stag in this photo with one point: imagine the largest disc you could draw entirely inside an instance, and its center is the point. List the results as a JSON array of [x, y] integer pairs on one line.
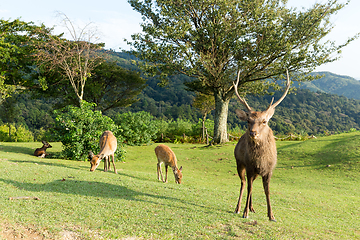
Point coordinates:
[[255, 153], [41, 152]]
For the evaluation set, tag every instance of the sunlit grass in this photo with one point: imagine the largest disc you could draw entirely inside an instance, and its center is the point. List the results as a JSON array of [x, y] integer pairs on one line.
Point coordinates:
[[314, 193]]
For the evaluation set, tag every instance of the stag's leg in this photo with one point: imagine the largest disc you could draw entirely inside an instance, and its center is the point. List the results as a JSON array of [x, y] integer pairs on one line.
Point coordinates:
[[105, 164], [266, 184], [250, 177], [166, 173], [113, 161], [251, 208], [241, 172], [108, 164], [159, 171]]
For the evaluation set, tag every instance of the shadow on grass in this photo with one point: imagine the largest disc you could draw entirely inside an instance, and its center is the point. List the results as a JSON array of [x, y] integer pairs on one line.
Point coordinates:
[[43, 163], [83, 188], [17, 149], [100, 190]]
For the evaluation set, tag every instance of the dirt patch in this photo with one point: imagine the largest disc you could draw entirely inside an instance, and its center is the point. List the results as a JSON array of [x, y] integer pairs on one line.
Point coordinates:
[[10, 232]]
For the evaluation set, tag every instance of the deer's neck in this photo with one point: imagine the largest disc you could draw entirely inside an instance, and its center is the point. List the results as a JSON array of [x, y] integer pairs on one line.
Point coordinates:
[[262, 147]]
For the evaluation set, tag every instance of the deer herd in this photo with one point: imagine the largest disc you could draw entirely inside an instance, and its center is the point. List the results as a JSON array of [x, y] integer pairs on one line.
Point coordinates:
[[255, 152]]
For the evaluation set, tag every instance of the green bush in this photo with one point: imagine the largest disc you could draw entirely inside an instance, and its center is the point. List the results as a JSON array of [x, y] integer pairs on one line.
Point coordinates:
[[179, 128], [137, 128], [197, 128], [18, 134], [79, 130]]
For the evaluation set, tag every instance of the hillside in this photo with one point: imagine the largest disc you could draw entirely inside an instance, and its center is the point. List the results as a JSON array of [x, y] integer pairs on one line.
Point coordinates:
[[315, 112], [318, 111], [337, 84]]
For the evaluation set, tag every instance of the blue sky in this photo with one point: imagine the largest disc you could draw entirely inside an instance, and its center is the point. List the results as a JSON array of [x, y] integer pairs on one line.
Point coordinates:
[[115, 20]]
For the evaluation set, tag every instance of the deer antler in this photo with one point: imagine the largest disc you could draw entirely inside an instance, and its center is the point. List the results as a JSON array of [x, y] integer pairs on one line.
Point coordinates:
[[242, 101], [284, 95]]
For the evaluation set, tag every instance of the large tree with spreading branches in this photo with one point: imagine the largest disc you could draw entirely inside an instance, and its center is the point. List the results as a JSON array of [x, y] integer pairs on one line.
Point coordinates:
[[211, 40], [16, 49]]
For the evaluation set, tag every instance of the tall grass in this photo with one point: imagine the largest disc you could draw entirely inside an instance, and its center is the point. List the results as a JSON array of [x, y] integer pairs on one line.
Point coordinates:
[[314, 193]]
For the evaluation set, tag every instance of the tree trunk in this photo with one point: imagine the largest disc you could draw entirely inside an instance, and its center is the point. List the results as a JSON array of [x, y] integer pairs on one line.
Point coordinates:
[[220, 121], [9, 131], [203, 126]]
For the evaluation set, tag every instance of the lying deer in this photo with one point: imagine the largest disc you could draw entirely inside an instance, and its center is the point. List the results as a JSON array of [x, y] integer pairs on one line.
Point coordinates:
[[255, 152], [165, 155], [108, 145], [41, 152]]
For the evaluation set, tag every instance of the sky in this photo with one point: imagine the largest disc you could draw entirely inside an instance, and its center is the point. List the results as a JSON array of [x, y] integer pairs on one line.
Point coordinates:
[[116, 20]]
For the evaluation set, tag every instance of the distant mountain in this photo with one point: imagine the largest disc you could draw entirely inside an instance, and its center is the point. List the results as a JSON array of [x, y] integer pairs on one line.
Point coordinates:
[[336, 84]]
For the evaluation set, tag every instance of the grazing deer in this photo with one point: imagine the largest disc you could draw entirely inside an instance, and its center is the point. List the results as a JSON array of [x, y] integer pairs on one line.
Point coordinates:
[[41, 152], [165, 155], [108, 145], [255, 153]]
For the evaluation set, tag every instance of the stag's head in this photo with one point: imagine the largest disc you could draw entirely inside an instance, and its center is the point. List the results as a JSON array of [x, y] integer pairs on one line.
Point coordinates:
[[258, 121], [94, 160], [46, 145], [178, 175]]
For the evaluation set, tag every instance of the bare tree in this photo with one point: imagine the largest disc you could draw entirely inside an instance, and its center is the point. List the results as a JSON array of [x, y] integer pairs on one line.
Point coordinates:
[[75, 58], [255, 153]]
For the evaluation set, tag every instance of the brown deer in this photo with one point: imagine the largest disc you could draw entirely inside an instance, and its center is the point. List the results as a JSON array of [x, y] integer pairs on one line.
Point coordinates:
[[255, 153], [41, 152], [165, 155], [108, 145]]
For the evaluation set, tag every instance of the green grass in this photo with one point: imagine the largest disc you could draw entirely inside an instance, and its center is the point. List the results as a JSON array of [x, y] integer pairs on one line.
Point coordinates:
[[314, 193]]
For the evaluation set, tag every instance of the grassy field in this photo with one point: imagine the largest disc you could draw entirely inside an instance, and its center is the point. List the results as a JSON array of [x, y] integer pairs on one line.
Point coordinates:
[[314, 194]]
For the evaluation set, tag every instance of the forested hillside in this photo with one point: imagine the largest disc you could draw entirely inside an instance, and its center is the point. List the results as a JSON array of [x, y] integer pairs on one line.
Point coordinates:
[[302, 112], [336, 84]]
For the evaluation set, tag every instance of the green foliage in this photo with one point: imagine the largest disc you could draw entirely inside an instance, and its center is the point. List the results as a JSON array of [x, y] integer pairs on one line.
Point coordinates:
[[137, 128], [197, 128], [210, 41], [16, 51], [79, 130], [18, 134], [183, 131], [111, 86]]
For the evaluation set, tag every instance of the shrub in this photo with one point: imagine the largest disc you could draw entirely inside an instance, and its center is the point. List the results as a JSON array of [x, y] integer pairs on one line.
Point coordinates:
[[23, 135], [197, 128], [18, 134], [79, 130], [179, 128], [137, 128]]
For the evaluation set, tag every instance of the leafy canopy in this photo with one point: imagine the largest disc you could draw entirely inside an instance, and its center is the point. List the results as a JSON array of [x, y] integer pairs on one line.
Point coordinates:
[[16, 49], [210, 40]]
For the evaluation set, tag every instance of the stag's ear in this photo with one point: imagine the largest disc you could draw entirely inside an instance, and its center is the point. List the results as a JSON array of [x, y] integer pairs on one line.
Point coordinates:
[[43, 142], [91, 155], [101, 156], [242, 114], [269, 113]]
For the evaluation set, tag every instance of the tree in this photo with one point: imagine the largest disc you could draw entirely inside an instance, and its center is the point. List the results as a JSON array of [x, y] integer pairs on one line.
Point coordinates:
[[75, 58], [9, 111], [205, 103], [211, 40], [112, 86], [16, 62]]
